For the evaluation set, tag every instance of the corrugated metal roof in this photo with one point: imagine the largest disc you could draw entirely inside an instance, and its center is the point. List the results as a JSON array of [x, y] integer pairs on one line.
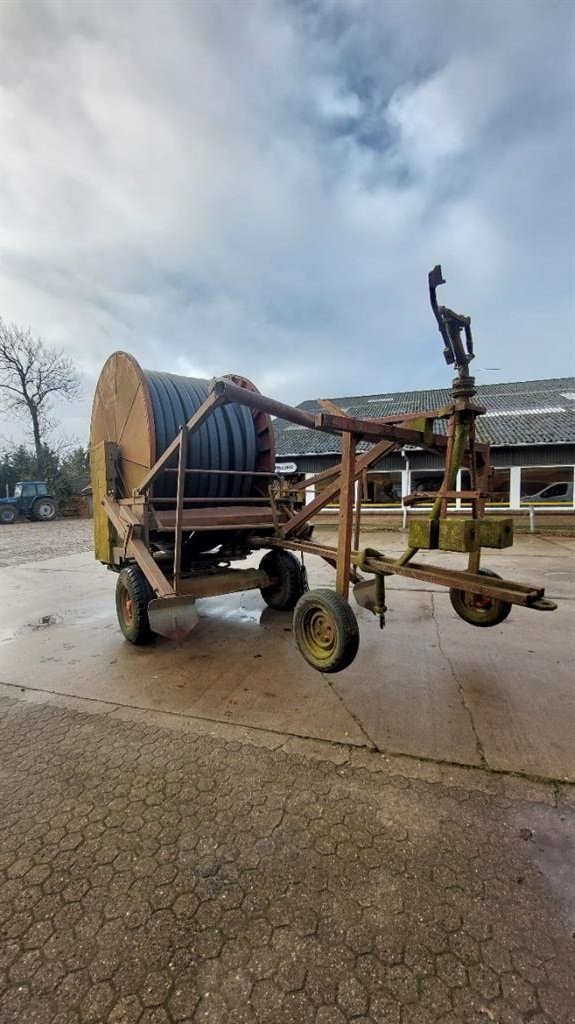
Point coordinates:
[[531, 412]]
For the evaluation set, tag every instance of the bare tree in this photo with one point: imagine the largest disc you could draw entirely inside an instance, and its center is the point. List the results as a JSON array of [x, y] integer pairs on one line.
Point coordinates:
[[31, 375]]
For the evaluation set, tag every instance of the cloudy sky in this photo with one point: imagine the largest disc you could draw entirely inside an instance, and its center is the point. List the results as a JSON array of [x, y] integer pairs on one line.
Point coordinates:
[[261, 186]]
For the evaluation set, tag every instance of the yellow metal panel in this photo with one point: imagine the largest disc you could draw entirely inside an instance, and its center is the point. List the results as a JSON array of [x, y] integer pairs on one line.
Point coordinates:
[[103, 478]]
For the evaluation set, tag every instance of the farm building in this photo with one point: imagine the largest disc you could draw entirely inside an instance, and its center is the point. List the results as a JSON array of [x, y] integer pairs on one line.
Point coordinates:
[[530, 425]]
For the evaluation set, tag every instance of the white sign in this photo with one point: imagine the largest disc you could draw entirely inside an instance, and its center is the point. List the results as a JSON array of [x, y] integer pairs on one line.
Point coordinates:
[[286, 467]]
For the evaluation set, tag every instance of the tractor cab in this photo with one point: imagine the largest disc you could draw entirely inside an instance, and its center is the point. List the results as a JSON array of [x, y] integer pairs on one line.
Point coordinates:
[[31, 498], [26, 492]]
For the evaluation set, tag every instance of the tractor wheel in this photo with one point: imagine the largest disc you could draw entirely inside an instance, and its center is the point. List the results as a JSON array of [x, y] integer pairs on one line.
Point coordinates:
[[478, 609], [43, 510], [326, 630], [8, 514], [290, 575], [133, 595]]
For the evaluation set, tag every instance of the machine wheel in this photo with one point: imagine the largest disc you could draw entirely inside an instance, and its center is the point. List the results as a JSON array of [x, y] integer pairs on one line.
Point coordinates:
[[133, 595], [8, 514], [43, 510], [477, 609], [326, 630], [290, 575]]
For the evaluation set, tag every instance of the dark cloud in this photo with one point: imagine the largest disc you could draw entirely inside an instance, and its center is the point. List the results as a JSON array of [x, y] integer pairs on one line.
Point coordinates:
[[262, 186]]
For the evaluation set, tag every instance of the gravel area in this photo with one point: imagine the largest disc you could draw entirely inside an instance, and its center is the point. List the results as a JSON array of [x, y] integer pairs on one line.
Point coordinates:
[[32, 542]]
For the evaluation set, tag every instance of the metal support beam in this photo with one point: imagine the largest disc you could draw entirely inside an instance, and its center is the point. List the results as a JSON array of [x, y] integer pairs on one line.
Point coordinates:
[[370, 430], [135, 547], [181, 488], [357, 517], [227, 391], [504, 590], [329, 406], [324, 497], [373, 430], [326, 474], [228, 581], [346, 502]]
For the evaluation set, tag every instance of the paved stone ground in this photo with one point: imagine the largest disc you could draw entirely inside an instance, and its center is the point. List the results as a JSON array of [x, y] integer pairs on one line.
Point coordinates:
[[153, 876]]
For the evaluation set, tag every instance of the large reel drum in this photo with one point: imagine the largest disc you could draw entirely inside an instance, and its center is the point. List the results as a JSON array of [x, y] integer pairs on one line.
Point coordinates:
[[142, 411]]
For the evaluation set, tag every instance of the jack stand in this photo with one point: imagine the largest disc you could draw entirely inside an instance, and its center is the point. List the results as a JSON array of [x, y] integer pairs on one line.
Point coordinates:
[[380, 606]]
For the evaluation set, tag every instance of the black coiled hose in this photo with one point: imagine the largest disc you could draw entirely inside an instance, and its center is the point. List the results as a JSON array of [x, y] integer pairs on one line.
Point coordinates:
[[226, 440]]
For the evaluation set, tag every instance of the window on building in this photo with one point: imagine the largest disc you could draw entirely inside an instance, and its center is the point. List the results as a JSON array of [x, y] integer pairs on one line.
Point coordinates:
[[383, 489], [547, 485], [428, 480]]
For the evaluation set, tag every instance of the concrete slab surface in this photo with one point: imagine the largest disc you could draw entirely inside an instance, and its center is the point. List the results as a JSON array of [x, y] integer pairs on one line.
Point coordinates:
[[428, 686], [60, 634]]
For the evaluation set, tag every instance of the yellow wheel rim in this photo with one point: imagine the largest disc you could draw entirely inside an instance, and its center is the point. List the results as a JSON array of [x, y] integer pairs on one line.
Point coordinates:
[[319, 633]]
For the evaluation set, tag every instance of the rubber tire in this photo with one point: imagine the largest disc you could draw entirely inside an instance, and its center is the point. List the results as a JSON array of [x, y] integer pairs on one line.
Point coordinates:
[[284, 595], [343, 622], [131, 581], [480, 616], [39, 518], [8, 515]]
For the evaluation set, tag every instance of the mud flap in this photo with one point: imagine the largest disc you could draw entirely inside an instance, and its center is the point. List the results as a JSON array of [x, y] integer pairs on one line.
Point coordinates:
[[365, 594], [370, 594], [173, 617]]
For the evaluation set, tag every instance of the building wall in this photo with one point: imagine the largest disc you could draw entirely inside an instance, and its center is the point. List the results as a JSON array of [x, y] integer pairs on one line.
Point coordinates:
[[522, 455], [523, 475]]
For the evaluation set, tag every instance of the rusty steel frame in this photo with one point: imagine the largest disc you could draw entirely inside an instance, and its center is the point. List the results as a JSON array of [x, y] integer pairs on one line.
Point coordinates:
[[346, 507], [132, 518], [382, 565], [281, 519]]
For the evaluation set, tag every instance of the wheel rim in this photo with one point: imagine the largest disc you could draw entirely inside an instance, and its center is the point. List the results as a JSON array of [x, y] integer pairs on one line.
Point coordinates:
[[319, 633], [45, 510], [127, 608], [480, 603]]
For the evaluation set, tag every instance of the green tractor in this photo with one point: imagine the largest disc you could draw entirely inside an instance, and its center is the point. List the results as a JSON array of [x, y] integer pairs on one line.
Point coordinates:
[[31, 498]]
